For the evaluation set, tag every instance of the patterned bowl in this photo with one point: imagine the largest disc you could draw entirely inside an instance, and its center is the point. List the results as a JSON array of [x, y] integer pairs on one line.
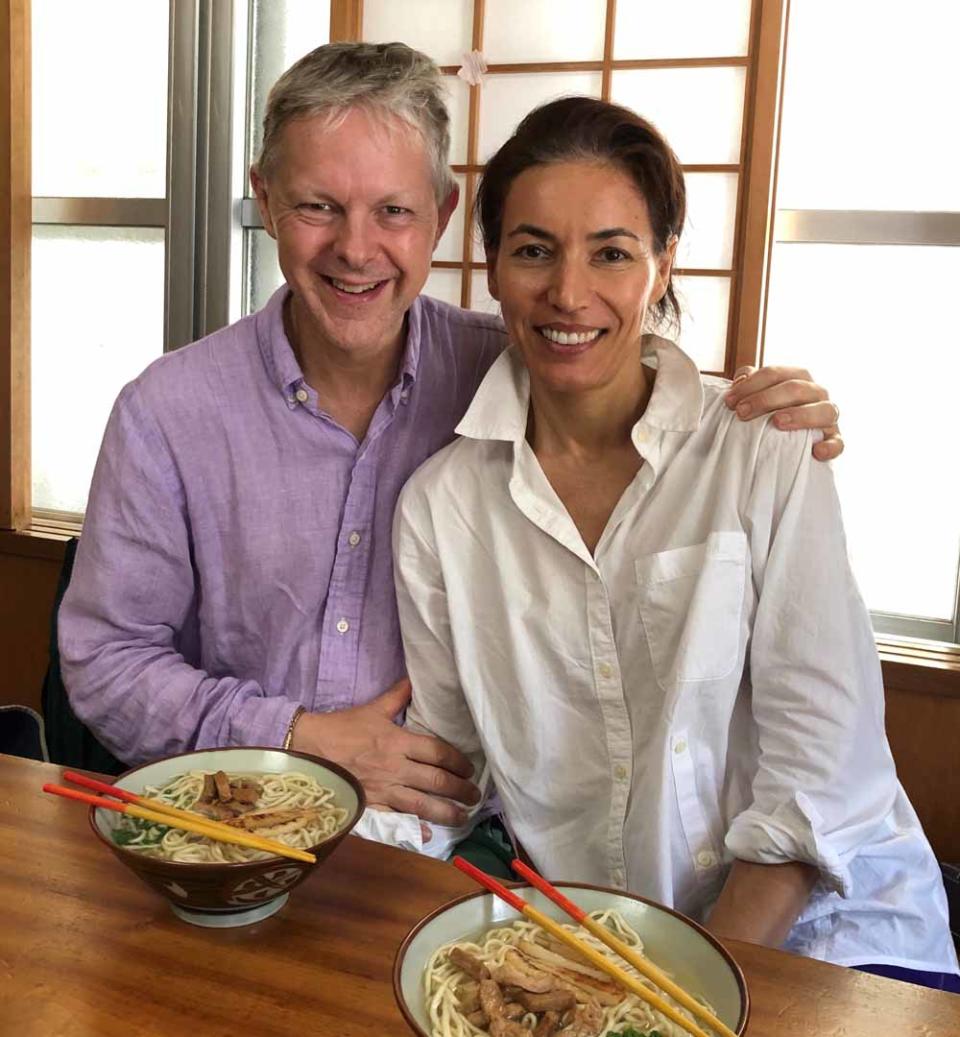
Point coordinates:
[[225, 895], [692, 956]]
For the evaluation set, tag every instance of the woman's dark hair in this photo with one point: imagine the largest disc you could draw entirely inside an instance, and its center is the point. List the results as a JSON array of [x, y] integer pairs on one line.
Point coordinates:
[[587, 129]]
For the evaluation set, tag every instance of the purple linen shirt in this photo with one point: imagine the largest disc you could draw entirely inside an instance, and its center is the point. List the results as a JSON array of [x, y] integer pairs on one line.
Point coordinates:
[[235, 559]]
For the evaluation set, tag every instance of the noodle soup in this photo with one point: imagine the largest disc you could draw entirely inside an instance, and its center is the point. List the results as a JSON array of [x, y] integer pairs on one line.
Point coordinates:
[[292, 807], [521, 975], [434, 993], [293, 797]]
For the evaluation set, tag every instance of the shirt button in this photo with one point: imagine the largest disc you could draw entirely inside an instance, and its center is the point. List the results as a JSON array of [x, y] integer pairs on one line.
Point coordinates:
[[343, 626], [620, 772], [605, 669], [680, 747], [404, 396], [706, 858], [353, 539], [302, 395]]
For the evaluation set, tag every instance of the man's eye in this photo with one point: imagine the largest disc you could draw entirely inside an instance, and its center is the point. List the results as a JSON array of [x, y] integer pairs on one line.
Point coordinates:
[[395, 210], [314, 206]]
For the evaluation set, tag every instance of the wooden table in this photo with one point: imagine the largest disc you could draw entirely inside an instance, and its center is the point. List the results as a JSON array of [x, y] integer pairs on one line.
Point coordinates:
[[87, 951]]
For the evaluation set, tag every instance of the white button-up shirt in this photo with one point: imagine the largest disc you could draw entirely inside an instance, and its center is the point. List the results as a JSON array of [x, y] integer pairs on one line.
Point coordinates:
[[703, 687]]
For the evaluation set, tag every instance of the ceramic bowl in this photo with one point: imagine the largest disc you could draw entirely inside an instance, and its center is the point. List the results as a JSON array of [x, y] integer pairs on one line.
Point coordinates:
[[224, 895], [695, 959]]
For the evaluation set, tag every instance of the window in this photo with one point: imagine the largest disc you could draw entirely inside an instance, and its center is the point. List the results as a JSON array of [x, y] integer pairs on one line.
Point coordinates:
[[862, 284]]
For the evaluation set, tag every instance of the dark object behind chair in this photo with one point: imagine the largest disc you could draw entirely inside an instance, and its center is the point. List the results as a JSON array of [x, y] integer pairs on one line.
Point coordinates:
[[69, 742], [21, 733]]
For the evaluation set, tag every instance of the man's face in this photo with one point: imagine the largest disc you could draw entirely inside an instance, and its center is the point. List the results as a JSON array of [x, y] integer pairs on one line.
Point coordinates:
[[355, 218]]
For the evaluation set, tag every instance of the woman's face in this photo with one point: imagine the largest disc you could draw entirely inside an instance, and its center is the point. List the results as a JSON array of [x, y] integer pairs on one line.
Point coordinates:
[[575, 272]]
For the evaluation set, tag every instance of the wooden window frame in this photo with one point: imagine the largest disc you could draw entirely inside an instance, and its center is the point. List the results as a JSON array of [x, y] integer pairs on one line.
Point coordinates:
[[921, 667]]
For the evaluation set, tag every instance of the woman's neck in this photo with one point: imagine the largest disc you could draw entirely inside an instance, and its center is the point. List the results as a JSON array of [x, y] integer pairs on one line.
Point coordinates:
[[586, 425]]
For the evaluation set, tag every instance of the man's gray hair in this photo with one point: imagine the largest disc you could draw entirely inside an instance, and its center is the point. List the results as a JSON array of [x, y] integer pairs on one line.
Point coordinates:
[[382, 78]]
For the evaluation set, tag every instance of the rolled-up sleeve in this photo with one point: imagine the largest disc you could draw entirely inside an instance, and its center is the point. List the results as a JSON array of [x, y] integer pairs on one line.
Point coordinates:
[[826, 778], [131, 603]]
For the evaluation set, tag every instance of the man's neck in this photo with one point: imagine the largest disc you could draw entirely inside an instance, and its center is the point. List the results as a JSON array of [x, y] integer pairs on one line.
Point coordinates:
[[349, 383]]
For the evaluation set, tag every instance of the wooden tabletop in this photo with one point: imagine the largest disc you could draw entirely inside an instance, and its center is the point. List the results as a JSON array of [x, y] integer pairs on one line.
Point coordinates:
[[86, 950]]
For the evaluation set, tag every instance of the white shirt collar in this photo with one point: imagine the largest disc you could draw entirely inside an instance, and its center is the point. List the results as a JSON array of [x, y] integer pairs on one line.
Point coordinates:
[[500, 407]]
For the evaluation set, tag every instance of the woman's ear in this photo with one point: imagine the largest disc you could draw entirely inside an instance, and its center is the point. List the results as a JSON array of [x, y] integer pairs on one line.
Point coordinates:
[[664, 263], [492, 286]]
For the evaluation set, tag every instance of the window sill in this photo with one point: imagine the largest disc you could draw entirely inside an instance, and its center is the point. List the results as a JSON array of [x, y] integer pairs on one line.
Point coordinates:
[[40, 541]]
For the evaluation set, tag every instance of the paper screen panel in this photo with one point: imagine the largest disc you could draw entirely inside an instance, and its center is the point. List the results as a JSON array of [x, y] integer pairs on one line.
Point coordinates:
[[704, 306], [681, 29], [450, 246], [543, 30], [442, 29], [480, 296], [99, 97], [507, 98], [707, 239], [870, 107], [444, 285], [97, 321], [850, 314], [698, 110], [284, 30]]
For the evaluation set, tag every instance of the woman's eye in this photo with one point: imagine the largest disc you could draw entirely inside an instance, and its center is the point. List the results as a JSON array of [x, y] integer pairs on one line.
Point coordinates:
[[531, 252], [613, 255]]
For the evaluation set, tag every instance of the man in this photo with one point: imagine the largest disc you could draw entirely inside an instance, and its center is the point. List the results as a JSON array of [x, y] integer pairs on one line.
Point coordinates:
[[234, 580]]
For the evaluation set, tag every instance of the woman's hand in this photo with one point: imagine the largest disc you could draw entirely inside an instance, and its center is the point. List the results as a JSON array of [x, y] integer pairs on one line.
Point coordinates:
[[794, 399], [760, 902]]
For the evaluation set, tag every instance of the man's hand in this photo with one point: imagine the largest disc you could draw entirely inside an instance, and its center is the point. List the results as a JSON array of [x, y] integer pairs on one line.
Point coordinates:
[[795, 400], [399, 770]]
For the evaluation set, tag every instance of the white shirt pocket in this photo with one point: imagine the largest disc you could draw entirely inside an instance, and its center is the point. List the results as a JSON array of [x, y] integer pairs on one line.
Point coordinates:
[[690, 601]]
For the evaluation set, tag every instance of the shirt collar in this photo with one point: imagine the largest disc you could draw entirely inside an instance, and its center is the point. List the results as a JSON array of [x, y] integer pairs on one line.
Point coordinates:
[[499, 408], [281, 361]]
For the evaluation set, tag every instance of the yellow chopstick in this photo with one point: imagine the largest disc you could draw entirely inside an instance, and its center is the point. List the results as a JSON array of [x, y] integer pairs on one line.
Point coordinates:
[[641, 964], [601, 961], [173, 817]]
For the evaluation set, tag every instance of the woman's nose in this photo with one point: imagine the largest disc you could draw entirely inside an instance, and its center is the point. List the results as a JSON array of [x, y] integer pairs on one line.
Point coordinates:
[[569, 287]]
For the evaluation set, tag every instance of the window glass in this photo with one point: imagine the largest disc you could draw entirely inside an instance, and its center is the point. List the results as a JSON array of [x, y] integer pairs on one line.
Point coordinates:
[[543, 30], [878, 325], [698, 110], [681, 29], [284, 30], [704, 302], [264, 276], [443, 29], [97, 321], [506, 98], [99, 98], [870, 97]]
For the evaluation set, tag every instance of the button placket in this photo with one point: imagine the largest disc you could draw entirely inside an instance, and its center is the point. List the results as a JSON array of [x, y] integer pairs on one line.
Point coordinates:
[[699, 844]]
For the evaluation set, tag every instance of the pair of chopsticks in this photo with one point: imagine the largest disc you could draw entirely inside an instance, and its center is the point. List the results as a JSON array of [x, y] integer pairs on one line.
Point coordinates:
[[159, 813], [641, 964]]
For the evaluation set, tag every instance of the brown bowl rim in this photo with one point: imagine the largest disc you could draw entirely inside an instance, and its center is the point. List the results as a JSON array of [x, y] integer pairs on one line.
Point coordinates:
[[132, 855], [519, 886]]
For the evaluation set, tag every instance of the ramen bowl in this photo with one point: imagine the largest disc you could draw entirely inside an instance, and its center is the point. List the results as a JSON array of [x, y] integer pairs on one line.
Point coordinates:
[[225, 895], [685, 950]]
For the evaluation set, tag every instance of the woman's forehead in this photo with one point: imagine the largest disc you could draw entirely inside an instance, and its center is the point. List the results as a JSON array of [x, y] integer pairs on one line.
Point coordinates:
[[581, 194]]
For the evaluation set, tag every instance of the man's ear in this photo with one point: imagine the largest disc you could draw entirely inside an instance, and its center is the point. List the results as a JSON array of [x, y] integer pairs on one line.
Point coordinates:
[[492, 287], [260, 190], [445, 211]]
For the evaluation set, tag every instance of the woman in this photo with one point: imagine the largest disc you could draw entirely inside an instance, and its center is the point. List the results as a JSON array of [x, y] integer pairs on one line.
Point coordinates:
[[634, 612]]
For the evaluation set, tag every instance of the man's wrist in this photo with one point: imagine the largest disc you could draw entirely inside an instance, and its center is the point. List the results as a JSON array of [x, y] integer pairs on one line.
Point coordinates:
[[288, 738]]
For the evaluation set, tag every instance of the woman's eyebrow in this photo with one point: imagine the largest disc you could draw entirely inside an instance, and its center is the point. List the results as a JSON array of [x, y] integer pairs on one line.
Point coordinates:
[[613, 232], [534, 232]]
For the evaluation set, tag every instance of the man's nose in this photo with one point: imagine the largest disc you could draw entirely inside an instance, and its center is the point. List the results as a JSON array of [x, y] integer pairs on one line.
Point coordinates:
[[569, 287], [356, 241]]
